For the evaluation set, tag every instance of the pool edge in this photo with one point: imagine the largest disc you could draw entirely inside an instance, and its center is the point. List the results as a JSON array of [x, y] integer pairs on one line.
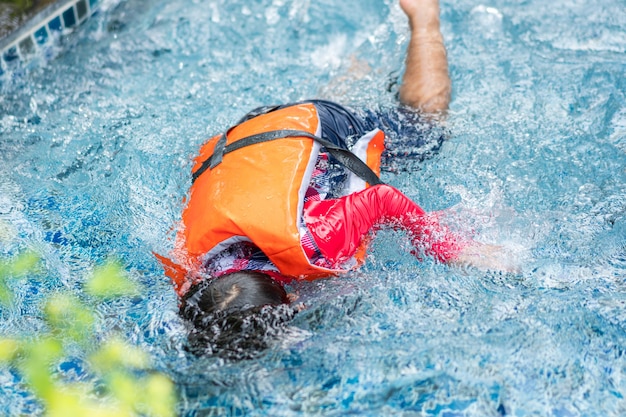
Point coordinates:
[[41, 31]]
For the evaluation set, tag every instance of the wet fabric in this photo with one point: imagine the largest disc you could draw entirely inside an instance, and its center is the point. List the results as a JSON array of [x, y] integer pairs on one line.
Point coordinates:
[[410, 136]]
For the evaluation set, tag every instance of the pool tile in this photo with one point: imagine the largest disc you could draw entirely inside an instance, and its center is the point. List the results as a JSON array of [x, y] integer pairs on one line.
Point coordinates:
[[81, 9], [27, 46], [55, 24], [11, 54], [41, 35], [69, 19]]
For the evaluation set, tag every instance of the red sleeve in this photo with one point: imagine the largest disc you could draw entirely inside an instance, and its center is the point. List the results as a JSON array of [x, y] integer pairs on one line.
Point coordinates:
[[339, 225]]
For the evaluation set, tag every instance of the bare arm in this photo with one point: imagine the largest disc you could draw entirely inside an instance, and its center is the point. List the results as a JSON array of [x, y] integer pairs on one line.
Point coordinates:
[[426, 84]]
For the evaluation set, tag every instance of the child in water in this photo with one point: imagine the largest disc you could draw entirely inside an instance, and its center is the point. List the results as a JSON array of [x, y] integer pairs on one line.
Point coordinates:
[[292, 192]]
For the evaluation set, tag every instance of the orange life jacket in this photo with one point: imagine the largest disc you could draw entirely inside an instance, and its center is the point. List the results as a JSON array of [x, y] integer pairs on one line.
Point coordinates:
[[256, 193]]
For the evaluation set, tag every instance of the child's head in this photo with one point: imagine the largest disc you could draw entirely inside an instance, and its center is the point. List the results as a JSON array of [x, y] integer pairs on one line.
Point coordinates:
[[234, 314], [238, 290]]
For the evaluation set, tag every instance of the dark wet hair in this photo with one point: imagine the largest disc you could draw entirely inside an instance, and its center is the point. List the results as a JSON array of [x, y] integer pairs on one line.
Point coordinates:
[[238, 290], [235, 315]]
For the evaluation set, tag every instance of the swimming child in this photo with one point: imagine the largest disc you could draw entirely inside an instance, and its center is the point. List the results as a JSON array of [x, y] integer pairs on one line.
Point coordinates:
[[292, 192]]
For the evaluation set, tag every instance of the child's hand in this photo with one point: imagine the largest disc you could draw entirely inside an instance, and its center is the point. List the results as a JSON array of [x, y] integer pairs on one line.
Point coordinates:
[[486, 257]]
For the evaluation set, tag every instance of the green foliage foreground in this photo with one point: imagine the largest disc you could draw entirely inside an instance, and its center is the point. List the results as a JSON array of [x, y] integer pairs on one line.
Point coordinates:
[[120, 384]]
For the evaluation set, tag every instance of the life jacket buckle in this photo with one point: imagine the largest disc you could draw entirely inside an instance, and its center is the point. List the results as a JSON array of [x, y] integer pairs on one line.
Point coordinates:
[[218, 152]]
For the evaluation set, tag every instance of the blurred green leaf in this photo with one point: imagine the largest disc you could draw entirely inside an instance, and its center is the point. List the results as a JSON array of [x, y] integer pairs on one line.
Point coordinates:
[[6, 296], [64, 404], [117, 353], [115, 362], [159, 396], [69, 318], [36, 366], [25, 263], [68, 400], [8, 349], [125, 389], [22, 264], [111, 280]]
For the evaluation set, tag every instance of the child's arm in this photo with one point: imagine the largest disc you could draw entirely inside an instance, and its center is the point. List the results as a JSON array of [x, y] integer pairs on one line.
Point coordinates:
[[339, 225]]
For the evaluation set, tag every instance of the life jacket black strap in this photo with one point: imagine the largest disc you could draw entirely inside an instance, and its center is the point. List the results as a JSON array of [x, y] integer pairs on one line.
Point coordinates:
[[344, 156]]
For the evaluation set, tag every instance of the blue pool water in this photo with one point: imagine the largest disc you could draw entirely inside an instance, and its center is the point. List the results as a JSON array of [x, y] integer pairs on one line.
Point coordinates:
[[95, 151]]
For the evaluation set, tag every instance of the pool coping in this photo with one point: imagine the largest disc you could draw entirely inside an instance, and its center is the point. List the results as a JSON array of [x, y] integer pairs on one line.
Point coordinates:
[[42, 30]]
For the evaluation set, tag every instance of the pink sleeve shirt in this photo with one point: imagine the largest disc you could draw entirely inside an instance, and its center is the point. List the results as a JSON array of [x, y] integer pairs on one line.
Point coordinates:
[[338, 226]]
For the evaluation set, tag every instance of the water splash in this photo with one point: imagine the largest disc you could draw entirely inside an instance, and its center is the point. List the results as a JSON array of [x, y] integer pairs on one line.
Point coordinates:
[[96, 152]]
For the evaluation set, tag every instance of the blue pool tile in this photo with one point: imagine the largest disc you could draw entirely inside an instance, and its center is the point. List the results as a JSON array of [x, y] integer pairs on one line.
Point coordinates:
[[69, 19], [11, 54], [27, 46], [81, 9], [55, 24], [74, 13], [41, 35]]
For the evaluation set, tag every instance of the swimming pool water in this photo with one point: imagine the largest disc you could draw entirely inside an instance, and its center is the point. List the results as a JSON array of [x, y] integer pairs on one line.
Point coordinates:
[[95, 148]]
